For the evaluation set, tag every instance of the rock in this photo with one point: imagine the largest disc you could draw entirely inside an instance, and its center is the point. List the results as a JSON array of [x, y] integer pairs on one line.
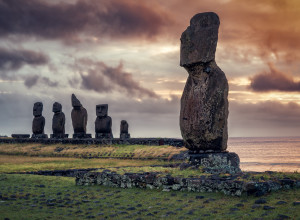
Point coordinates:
[[216, 163], [124, 130], [266, 207], [38, 122], [204, 103], [199, 41], [20, 135], [280, 217], [281, 203], [58, 122], [79, 118], [103, 122], [131, 208], [260, 201], [256, 206]]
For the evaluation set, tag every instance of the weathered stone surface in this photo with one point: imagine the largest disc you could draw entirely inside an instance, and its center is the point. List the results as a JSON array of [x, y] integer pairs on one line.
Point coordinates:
[[38, 122], [216, 162], [87, 140], [124, 130], [20, 135], [58, 121], [59, 136], [81, 136], [79, 117], [204, 103], [103, 122], [154, 180], [199, 40], [39, 136]]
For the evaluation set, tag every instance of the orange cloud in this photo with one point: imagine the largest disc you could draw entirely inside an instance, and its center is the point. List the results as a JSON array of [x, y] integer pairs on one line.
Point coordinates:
[[273, 80]]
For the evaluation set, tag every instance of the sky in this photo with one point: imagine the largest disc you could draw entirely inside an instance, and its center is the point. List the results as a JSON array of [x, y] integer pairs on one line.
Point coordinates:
[[125, 53]]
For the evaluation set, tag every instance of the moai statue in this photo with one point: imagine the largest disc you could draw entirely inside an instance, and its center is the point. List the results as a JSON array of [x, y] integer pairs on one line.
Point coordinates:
[[103, 122], [79, 119], [58, 122], [124, 130], [204, 102], [38, 123]]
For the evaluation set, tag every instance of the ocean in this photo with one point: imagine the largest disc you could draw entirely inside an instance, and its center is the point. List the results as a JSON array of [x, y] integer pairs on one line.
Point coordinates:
[[262, 154]]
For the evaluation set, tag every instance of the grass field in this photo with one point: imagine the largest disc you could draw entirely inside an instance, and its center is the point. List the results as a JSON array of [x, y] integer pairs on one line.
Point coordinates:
[[46, 197], [12, 163]]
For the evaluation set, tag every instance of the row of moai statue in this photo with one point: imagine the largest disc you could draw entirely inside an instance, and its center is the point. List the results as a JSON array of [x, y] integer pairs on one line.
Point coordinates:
[[79, 117]]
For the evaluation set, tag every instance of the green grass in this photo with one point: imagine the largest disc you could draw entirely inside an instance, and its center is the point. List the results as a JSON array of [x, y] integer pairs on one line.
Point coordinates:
[[43, 197], [90, 151], [261, 177], [9, 163]]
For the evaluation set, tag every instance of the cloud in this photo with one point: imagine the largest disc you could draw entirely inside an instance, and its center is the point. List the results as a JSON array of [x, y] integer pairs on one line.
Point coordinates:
[[267, 27], [101, 78], [14, 59], [273, 80], [30, 81], [93, 18]]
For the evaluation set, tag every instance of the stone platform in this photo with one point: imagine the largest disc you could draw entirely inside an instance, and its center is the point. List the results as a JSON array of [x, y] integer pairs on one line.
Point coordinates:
[[234, 185], [39, 136], [131, 141], [221, 162], [59, 136]]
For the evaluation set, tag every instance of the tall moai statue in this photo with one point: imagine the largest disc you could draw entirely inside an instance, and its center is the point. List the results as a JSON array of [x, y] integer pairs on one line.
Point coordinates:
[[204, 102], [79, 119], [103, 122], [124, 130], [38, 123], [58, 122]]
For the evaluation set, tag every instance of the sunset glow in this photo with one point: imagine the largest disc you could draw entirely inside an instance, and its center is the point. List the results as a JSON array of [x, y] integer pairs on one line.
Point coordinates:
[[126, 54]]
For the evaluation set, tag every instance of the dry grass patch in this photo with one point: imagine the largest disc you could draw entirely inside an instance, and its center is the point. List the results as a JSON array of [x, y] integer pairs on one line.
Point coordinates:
[[9, 163], [90, 151]]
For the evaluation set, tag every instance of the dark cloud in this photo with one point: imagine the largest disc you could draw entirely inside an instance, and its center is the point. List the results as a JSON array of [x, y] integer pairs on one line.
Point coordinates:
[[14, 59], [33, 80], [274, 80], [101, 78], [67, 21], [267, 27], [262, 29]]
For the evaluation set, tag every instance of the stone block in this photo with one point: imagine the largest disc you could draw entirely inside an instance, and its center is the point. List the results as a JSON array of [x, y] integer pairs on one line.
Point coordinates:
[[224, 162], [81, 135], [20, 135], [59, 136], [39, 136]]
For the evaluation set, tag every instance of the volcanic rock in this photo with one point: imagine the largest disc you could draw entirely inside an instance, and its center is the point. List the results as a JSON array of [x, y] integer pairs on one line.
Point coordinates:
[[124, 130], [38, 122], [103, 122], [58, 121], [79, 118], [204, 103]]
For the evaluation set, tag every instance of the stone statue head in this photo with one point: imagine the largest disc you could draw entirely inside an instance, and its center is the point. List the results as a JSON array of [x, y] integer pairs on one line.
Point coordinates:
[[123, 122], [101, 110], [75, 102], [56, 107], [37, 109], [199, 40]]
